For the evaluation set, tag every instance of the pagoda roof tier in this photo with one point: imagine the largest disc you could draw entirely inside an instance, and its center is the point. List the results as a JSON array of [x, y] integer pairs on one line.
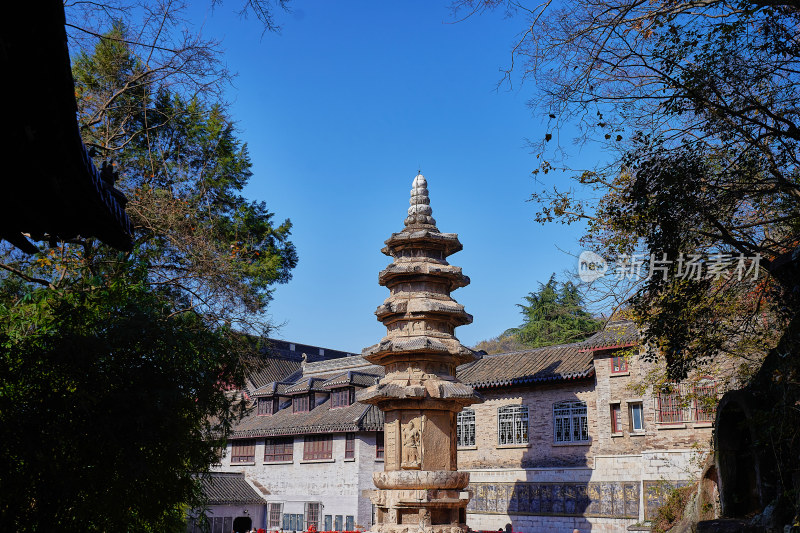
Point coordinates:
[[401, 304], [447, 350], [448, 243], [433, 389], [404, 271]]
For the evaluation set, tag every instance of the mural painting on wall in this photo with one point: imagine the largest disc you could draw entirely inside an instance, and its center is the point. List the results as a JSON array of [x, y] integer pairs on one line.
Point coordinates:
[[656, 494], [603, 499]]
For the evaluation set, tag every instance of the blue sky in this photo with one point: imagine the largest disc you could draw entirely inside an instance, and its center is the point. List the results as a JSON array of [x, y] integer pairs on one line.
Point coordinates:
[[340, 110]]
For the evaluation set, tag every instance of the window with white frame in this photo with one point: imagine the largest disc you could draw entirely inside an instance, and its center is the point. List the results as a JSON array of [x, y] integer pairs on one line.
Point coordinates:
[[636, 417], [570, 422], [512, 424], [465, 428]]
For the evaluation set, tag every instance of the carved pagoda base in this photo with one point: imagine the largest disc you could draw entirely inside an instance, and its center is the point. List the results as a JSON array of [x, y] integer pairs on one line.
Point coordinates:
[[420, 510]]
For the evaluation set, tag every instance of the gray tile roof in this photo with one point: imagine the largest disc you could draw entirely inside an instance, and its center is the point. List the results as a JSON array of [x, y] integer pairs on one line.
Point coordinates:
[[272, 389], [615, 334], [537, 365], [306, 384], [320, 419], [353, 362], [270, 370], [278, 361], [223, 488], [361, 379], [372, 419]]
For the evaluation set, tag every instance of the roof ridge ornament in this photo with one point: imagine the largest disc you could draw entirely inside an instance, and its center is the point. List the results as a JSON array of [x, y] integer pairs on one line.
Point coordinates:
[[420, 211]]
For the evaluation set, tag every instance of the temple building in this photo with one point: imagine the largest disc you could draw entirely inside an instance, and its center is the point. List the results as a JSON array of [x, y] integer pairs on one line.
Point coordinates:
[[549, 439], [306, 446], [568, 438]]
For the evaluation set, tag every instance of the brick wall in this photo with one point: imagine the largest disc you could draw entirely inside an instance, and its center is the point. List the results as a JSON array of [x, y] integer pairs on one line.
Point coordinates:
[[540, 450], [619, 388], [660, 453]]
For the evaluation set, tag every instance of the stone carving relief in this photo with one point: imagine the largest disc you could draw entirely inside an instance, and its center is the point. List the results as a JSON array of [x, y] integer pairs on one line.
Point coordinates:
[[412, 444], [607, 499], [424, 519]]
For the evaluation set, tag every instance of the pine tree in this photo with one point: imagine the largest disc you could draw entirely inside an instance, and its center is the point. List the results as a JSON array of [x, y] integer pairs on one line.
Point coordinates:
[[554, 315]]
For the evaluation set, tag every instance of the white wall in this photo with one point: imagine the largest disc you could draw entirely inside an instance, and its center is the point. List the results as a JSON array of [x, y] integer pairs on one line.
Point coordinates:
[[337, 483]]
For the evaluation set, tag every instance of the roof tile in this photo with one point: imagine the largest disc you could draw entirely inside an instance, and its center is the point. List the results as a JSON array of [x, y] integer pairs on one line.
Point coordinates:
[[550, 363], [229, 488]]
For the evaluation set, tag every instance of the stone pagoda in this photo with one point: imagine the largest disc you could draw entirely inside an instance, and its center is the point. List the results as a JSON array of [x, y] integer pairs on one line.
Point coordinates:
[[420, 489]]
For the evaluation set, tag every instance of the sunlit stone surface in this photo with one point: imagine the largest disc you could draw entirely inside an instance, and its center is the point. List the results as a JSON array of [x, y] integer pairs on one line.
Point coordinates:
[[421, 489]]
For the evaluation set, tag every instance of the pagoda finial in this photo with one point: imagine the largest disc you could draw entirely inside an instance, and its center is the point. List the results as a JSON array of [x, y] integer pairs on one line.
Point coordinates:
[[420, 211]]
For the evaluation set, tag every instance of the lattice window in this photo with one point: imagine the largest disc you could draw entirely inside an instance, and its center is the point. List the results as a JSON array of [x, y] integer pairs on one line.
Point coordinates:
[[570, 422], [512, 424], [274, 514], [349, 445], [300, 403], [267, 406], [318, 447], [705, 400], [465, 428], [312, 514], [670, 405], [279, 450], [342, 397], [243, 451]]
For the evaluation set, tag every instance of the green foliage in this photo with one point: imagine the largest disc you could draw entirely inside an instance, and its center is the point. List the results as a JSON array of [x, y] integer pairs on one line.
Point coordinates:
[[109, 403], [116, 368], [507, 342], [554, 315], [669, 514], [698, 113]]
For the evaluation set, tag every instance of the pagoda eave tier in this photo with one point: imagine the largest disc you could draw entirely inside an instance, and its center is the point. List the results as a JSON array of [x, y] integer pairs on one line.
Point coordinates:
[[453, 395], [426, 238], [413, 271], [419, 348], [404, 308]]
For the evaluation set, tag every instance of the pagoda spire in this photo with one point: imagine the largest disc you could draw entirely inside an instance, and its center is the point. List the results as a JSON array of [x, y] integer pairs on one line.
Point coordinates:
[[420, 394], [420, 211]]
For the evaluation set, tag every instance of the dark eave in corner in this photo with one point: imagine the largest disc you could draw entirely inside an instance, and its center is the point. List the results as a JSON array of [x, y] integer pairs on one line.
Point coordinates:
[[50, 186]]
